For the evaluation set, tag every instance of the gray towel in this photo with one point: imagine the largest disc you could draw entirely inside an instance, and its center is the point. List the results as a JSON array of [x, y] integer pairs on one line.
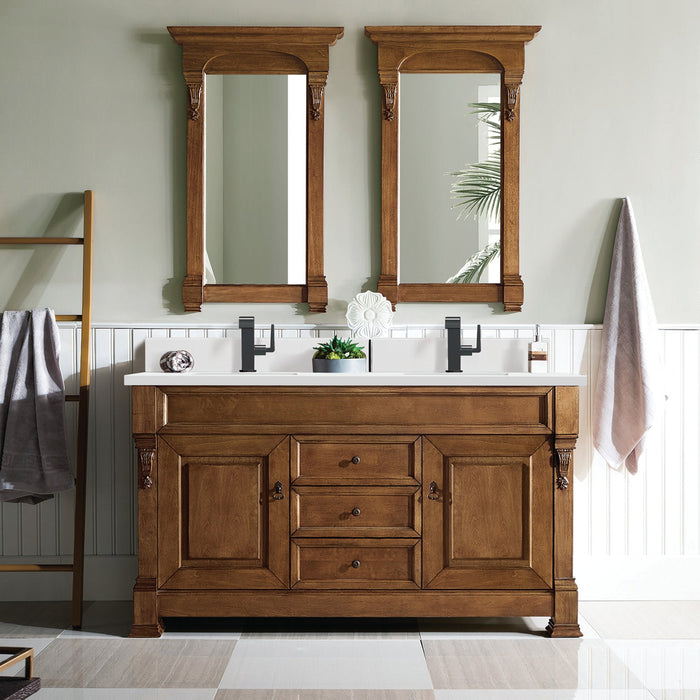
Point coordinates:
[[629, 394], [34, 459]]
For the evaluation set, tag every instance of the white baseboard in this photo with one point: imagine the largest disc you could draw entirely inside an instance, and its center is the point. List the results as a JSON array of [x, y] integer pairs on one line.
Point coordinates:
[[638, 578], [106, 578]]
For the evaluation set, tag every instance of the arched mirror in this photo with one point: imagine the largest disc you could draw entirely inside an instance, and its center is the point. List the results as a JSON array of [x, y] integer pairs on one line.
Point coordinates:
[[255, 163], [450, 162]]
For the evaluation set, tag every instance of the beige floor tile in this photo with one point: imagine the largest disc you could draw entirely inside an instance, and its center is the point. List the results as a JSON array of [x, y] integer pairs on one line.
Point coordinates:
[[325, 695], [330, 628], [125, 694], [649, 619], [526, 664], [134, 663]]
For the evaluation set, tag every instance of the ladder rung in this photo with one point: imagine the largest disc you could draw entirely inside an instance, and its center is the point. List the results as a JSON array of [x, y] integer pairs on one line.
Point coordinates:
[[36, 567], [28, 240], [72, 397], [69, 317]]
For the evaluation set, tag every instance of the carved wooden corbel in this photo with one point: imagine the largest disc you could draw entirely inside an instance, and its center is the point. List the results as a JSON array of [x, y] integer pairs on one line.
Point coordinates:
[[390, 101], [512, 91], [563, 462], [316, 93], [146, 447], [194, 92]]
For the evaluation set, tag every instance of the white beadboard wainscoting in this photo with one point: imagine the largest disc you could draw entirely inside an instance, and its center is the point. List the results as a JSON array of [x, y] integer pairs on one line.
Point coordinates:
[[635, 537]]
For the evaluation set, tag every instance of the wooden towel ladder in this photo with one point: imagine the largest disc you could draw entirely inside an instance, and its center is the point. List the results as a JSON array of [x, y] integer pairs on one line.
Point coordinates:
[[83, 397]]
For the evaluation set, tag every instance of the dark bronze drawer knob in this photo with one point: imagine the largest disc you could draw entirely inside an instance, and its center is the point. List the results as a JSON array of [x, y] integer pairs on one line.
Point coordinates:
[[355, 460], [356, 511], [278, 495], [433, 492], [356, 564]]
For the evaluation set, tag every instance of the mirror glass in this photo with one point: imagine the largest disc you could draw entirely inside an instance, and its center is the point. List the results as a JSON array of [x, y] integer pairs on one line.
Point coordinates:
[[449, 123], [255, 179]]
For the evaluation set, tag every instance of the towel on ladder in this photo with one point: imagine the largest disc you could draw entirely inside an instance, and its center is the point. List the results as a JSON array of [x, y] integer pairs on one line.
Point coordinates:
[[33, 456], [629, 392]]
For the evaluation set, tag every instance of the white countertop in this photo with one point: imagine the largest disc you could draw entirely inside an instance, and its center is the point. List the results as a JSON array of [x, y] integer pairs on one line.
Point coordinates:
[[366, 379]]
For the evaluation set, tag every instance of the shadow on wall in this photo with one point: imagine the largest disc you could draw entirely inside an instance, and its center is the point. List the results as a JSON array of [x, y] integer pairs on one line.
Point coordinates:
[[63, 214], [595, 310], [169, 67]]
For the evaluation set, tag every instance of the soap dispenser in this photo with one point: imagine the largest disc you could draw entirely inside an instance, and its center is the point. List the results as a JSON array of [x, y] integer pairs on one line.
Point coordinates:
[[537, 354]]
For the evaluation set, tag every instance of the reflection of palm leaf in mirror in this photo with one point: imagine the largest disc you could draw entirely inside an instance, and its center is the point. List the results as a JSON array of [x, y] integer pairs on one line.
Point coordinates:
[[475, 266], [477, 191], [478, 188]]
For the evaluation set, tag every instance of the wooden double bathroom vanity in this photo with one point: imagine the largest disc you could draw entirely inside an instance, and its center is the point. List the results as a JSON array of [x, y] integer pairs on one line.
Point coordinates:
[[354, 500]]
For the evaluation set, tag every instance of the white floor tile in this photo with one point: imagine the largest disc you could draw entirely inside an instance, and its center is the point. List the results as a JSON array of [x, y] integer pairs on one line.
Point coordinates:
[[279, 663], [664, 665], [581, 694]]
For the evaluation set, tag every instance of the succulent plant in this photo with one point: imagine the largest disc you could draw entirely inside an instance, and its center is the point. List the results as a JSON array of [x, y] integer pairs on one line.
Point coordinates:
[[338, 349]]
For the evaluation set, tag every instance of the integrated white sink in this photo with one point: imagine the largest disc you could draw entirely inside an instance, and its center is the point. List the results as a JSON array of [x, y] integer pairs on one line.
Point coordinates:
[[395, 362]]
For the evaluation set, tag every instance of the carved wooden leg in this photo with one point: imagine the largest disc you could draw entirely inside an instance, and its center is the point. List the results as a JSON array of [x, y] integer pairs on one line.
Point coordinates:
[[147, 623], [564, 621]]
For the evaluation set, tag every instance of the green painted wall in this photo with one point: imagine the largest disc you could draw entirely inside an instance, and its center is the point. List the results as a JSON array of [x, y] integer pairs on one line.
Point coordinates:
[[93, 97]]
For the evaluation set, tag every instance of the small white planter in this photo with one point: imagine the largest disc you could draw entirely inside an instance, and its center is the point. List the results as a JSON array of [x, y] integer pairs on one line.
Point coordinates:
[[350, 366]]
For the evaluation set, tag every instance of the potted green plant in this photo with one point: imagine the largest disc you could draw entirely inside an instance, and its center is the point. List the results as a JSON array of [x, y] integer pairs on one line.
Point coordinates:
[[338, 355]]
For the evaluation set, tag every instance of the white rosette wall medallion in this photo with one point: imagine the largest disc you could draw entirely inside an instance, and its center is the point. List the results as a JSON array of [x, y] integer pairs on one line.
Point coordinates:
[[369, 315]]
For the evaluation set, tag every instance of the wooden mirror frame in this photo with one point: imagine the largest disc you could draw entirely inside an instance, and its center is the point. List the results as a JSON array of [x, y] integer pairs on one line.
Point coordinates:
[[466, 49], [251, 51]]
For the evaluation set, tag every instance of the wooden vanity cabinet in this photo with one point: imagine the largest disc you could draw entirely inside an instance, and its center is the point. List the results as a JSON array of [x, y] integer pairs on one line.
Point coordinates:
[[355, 501]]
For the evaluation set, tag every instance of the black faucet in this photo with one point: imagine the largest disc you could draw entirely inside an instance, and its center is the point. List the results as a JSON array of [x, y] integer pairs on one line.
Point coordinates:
[[455, 349], [248, 347]]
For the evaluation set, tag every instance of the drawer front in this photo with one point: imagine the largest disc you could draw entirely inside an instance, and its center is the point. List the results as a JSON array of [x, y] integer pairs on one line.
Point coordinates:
[[375, 563], [369, 460], [355, 511]]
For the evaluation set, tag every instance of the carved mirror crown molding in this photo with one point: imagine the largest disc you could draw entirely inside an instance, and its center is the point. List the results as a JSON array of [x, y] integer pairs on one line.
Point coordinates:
[[252, 51], [456, 49]]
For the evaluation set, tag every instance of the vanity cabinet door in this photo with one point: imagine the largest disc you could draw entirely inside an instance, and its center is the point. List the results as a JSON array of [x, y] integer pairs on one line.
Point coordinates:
[[223, 512], [487, 512]]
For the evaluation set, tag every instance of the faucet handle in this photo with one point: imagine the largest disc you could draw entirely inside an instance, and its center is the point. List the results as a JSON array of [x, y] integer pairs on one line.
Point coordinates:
[[263, 349]]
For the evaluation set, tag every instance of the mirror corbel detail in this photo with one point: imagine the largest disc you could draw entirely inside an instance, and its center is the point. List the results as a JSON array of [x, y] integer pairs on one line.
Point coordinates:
[[455, 49], [254, 51]]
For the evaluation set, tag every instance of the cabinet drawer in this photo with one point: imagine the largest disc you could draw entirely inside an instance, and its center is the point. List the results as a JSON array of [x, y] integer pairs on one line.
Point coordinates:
[[355, 511], [369, 563], [369, 460]]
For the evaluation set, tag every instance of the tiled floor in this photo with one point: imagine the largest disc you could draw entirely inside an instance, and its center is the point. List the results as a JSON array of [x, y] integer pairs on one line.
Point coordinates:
[[629, 651]]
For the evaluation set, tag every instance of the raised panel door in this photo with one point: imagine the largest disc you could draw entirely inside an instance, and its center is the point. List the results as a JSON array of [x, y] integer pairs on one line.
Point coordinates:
[[487, 512], [223, 512]]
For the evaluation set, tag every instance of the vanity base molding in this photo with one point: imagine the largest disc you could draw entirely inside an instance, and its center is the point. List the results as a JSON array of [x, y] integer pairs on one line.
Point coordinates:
[[354, 502], [355, 604]]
